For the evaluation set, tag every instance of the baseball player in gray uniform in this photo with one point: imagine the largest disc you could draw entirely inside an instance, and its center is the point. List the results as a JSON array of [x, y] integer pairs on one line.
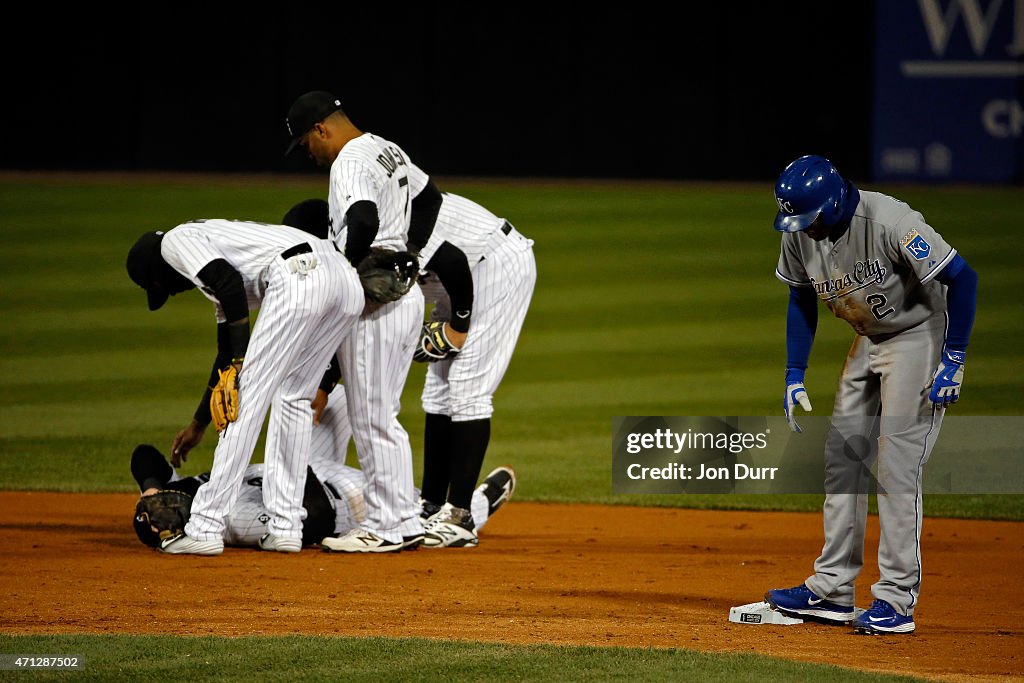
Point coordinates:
[[480, 274], [372, 186], [910, 297], [309, 298]]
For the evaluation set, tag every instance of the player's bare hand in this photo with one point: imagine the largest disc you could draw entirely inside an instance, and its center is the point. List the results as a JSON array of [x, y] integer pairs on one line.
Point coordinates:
[[796, 394], [457, 339], [187, 439], [319, 404]]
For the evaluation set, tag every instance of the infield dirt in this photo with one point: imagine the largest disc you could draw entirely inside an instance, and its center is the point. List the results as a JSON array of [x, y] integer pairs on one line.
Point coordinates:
[[544, 573]]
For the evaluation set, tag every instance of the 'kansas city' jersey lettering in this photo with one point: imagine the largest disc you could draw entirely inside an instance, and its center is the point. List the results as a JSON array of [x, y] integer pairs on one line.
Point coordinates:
[[878, 275], [864, 273]]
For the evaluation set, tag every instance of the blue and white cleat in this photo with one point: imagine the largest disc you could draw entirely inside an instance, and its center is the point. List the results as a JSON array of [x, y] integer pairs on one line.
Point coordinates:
[[881, 618], [801, 601]]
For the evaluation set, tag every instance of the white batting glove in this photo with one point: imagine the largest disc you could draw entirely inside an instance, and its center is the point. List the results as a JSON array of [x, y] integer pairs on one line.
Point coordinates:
[[795, 394], [948, 377]]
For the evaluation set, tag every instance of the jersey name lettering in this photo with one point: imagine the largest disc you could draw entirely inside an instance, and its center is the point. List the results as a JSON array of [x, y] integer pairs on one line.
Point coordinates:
[[863, 271], [391, 158]]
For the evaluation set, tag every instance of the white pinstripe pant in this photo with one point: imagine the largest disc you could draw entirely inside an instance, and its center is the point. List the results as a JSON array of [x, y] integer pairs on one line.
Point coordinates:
[[375, 361], [463, 388], [301, 321], [327, 458]]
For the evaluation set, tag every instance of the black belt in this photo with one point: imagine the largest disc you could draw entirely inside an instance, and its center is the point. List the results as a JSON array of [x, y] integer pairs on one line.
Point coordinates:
[[303, 248]]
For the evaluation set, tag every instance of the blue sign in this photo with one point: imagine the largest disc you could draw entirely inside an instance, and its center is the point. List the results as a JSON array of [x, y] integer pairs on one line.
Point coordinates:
[[949, 78]]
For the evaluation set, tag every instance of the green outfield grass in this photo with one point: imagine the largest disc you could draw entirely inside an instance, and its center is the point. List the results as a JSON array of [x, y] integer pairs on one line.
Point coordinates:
[[652, 299], [292, 658]]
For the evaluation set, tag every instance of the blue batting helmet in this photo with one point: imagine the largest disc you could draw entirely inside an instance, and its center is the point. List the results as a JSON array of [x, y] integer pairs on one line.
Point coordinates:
[[809, 187]]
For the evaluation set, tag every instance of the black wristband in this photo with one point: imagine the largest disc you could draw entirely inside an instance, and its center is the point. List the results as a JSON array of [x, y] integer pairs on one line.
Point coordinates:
[[238, 338], [332, 376], [460, 321]]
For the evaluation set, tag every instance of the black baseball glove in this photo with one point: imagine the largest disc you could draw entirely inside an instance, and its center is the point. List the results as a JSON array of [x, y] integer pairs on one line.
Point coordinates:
[[386, 276], [161, 515], [434, 344]]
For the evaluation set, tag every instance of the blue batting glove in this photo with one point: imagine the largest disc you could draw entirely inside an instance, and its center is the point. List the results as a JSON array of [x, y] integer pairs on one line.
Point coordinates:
[[947, 378], [795, 394]]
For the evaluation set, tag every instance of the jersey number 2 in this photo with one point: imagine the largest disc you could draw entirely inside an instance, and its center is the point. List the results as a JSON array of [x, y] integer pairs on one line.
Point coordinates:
[[878, 302]]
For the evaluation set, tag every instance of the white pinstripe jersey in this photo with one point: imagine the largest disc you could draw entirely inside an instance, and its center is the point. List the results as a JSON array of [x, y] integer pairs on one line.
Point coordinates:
[[248, 246], [463, 223], [373, 169], [879, 275]]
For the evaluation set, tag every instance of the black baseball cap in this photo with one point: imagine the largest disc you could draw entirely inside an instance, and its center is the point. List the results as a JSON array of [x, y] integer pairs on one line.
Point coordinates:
[[307, 111], [312, 216], [143, 263]]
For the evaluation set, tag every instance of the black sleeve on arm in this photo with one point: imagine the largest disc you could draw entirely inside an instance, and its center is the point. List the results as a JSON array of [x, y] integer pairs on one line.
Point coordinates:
[[223, 359], [363, 222], [452, 269], [425, 207], [226, 284], [332, 376]]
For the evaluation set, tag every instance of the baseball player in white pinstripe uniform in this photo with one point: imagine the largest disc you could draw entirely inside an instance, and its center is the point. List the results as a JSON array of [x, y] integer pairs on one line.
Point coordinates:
[[483, 308], [372, 184], [333, 496], [473, 259], [309, 298]]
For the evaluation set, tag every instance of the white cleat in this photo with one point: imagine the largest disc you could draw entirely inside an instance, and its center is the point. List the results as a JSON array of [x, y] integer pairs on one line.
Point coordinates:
[[183, 544], [359, 541], [452, 528], [281, 545]]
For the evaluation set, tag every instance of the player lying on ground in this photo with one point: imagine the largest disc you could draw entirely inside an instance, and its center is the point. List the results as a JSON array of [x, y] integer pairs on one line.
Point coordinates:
[[332, 499]]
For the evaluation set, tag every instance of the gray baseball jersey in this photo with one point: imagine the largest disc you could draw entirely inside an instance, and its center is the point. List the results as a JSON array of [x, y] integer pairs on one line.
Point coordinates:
[[879, 275], [309, 298]]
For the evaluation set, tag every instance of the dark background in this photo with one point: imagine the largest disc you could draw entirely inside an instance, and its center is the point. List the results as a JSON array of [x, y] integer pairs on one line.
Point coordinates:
[[723, 91]]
